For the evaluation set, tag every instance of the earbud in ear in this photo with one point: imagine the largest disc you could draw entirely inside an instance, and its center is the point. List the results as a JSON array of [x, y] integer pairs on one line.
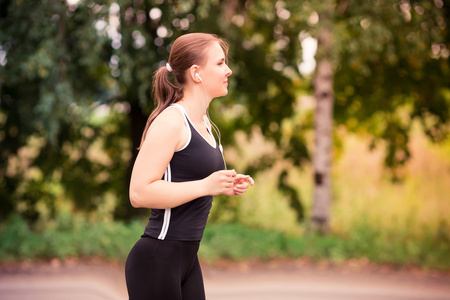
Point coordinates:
[[198, 76]]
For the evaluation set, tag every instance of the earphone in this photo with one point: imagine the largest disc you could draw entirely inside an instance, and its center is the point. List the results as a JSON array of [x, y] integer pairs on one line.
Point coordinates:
[[214, 126]]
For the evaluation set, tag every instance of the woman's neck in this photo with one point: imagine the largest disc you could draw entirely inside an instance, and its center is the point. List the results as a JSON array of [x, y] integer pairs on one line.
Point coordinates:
[[195, 105]]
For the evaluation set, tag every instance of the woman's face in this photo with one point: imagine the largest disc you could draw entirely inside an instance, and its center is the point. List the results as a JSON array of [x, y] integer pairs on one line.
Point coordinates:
[[215, 73]]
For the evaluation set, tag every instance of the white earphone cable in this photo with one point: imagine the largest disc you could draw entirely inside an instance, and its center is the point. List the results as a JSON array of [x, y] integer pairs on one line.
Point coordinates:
[[213, 125]]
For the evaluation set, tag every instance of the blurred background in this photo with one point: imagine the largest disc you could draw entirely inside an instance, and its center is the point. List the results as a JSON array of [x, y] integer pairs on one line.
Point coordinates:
[[338, 109]]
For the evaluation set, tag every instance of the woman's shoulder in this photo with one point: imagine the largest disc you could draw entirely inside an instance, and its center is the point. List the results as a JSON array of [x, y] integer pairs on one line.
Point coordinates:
[[171, 115], [169, 120], [167, 127]]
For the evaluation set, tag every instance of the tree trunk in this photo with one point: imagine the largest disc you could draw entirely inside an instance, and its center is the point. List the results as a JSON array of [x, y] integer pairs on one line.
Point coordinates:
[[323, 92], [137, 121]]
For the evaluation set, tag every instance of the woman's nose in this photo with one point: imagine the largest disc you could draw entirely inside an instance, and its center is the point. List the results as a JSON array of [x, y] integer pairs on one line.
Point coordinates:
[[229, 71]]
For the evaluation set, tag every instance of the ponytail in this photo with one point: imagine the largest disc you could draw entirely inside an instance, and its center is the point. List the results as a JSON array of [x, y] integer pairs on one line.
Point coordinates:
[[164, 93]]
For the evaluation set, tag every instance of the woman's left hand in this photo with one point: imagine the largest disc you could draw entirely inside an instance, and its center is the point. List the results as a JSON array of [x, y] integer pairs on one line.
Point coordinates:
[[241, 184]]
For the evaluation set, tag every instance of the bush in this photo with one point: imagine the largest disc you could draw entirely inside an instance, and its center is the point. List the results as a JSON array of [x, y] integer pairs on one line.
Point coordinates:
[[236, 242], [75, 236], [71, 237]]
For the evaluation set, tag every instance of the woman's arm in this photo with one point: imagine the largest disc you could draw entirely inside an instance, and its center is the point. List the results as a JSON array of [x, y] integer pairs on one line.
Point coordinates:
[[167, 134]]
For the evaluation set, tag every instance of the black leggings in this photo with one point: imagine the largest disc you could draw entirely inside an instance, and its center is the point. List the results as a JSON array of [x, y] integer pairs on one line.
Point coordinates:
[[164, 270]]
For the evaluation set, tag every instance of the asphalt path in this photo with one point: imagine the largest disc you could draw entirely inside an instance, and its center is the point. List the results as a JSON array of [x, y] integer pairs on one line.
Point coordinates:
[[270, 281]]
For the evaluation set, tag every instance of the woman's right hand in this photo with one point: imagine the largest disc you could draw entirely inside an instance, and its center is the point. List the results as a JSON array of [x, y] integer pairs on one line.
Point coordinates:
[[220, 182]]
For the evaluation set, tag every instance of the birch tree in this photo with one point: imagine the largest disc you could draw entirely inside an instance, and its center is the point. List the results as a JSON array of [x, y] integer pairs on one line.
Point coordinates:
[[323, 122]]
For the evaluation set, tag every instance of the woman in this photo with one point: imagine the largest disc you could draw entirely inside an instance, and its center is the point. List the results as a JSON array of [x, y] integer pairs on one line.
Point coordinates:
[[177, 171]]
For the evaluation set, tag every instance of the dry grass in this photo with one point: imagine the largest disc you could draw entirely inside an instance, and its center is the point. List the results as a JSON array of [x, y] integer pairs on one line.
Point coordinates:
[[362, 190]]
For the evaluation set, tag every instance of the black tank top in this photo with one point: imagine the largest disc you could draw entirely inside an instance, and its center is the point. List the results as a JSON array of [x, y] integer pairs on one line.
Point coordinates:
[[196, 160]]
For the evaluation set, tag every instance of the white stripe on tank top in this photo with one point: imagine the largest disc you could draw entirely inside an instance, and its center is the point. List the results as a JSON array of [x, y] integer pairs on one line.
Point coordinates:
[[167, 211]]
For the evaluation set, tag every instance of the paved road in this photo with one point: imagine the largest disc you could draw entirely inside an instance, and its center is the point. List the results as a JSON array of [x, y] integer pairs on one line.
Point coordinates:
[[98, 281], [317, 284]]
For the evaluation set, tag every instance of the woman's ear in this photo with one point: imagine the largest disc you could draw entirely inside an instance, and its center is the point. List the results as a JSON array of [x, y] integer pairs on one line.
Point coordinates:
[[193, 73]]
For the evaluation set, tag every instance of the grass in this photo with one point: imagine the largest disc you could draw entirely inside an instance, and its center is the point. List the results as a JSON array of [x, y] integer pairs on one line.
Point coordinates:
[[363, 191], [76, 237]]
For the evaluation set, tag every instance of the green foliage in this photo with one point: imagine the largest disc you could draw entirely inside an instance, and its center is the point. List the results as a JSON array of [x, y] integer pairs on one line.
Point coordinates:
[[62, 61], [69, 236], [236, 242], [391, 71], [76, 236], [55, 66], [397, 248]]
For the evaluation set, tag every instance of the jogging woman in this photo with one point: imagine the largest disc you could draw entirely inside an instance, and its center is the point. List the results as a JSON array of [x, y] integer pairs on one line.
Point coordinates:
[[179, 168]]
